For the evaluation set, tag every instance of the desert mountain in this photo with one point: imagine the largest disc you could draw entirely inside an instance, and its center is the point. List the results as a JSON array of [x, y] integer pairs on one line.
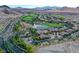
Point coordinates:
[[66, 10]]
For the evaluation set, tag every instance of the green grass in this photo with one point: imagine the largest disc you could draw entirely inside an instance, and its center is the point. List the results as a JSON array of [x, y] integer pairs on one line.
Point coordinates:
[[54, 24], [29, 18]]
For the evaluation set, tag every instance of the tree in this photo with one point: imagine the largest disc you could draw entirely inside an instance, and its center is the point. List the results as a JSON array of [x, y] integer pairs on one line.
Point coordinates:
[[61, 17], [1, 50], [33, 31], [36, 38], [28, 48], [7, 47], [17, 26]]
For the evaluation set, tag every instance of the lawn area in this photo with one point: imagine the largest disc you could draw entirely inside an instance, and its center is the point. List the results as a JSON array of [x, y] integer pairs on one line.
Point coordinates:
[[54, 24], [29, 17]]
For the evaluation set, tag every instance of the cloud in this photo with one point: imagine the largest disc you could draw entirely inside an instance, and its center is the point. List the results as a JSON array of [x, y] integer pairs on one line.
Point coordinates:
[[70, 3]]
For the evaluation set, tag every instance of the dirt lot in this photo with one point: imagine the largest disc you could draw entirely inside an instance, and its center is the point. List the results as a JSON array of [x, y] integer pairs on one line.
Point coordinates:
[[67, 47]]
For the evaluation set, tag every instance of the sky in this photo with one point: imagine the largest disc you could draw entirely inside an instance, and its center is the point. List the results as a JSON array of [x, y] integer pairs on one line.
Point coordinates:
[[40, 3]]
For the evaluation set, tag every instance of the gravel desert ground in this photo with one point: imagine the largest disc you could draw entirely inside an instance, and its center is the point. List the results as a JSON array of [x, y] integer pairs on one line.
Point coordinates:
[[67, 47]]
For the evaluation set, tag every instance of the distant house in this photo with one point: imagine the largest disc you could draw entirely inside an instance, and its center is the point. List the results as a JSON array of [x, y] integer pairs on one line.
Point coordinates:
[[38, 27], [63, 33], [53, 29], [69, 30], [42, 31], [43, 36]]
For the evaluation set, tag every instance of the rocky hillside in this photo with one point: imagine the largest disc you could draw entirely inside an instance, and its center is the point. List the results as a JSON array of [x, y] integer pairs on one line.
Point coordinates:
[[66, 10]]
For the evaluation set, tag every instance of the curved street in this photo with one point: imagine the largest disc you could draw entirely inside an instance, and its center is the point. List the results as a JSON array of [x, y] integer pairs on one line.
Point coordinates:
[[7, 33]]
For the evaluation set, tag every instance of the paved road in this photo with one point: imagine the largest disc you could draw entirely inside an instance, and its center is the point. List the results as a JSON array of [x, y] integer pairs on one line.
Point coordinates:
[[7, 33]]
